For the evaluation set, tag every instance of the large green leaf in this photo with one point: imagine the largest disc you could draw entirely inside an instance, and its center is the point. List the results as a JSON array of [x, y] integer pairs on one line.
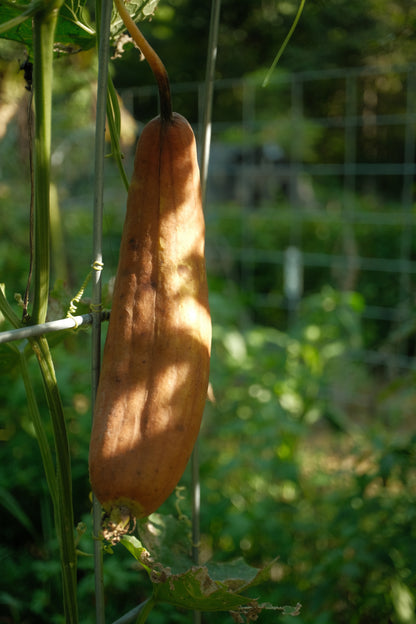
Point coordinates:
[[163, 552], [21, 32], [74, 30]]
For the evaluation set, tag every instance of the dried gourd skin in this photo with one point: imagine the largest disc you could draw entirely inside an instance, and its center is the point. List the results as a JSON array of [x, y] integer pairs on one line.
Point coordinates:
[[155, 369]]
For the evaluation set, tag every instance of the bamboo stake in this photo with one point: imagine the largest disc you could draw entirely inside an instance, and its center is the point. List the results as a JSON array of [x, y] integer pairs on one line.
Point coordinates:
[[205, 149], [103, 10]]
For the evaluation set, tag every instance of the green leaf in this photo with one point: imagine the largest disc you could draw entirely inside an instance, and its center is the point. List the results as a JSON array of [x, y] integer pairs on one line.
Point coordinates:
[[136, 548], [238, 575], [163, 551], [139, 11], [196, 589], [168, 539], [74, 31], [17, 25]]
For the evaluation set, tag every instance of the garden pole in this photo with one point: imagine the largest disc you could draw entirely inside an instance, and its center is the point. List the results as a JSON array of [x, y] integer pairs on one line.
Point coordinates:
[[103, 12], [205, 147]]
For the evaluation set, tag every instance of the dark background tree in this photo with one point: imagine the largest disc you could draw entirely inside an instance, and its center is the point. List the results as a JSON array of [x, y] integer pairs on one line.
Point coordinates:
[[334, 34]]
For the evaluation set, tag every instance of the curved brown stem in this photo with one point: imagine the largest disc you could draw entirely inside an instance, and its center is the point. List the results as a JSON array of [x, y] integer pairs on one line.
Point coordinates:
[[156, 65]]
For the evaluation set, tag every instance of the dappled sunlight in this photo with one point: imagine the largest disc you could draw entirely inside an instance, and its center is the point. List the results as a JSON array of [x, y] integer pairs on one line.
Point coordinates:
[[308, 452], [163, 375], [155, 371]]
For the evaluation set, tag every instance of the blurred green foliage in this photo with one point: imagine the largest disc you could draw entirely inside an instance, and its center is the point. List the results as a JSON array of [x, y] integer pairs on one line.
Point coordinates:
[[298, 467], [330, 34], [290, 467]]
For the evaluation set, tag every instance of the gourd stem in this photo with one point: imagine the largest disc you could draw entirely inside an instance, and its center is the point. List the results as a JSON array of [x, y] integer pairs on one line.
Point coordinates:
[[156, 65]]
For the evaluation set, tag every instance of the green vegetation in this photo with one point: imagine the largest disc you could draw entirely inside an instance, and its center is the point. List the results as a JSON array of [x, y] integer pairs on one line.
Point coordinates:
[[308, 452]]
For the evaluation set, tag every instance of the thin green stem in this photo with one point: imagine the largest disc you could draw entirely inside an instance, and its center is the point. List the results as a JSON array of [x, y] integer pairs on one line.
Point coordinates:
[[58, 475], [284, 44], [133, 614], [208, 93], [147, 608], [113, 119], [205, 150], [44, 24], [44, 447], [103, 15], [64, 516]]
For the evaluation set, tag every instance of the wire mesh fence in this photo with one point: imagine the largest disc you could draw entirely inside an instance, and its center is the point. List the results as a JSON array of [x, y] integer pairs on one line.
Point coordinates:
[[311, 183]]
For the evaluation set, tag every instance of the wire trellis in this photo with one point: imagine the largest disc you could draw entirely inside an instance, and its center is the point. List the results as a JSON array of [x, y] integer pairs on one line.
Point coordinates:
[[365, 162], [247, 114]]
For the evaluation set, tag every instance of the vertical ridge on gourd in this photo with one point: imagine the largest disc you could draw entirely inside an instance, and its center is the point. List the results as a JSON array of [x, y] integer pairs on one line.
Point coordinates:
[[155, 367]]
